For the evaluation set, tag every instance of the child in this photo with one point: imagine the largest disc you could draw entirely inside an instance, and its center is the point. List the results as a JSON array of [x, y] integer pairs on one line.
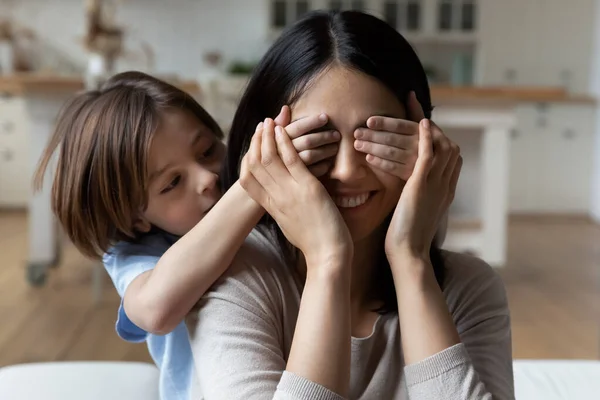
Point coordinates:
[[136, 183]]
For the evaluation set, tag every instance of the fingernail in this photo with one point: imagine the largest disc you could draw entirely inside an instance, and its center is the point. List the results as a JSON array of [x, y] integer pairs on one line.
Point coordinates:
[[323, 117], [358, 134], [425, 123], [336, 135], [358, 144], [260, 126]]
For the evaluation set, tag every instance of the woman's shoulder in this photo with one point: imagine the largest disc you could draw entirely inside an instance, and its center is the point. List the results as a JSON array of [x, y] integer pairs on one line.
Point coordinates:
[[472, 286], [258, 275]]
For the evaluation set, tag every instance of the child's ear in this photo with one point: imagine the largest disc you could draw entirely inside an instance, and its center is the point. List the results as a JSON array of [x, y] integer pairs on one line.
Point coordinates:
[[142, 225]]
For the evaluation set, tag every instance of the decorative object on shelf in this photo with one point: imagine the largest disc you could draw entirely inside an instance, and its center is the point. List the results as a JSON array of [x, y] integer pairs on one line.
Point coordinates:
[[103, 40], [238, 67]]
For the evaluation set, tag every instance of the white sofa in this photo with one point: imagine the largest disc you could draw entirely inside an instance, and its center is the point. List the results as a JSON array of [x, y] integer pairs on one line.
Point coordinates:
[[79, 381], [534, 380]]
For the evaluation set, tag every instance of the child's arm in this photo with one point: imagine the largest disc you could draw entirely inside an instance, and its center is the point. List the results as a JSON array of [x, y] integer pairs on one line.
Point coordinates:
[[158, 300]]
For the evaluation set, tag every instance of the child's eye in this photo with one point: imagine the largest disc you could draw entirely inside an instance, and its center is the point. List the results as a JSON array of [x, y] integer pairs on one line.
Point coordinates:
[[210, 151], [171, 185]]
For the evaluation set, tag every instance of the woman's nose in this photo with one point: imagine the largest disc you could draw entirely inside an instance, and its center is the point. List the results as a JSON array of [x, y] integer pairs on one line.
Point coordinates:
[[349, 164]]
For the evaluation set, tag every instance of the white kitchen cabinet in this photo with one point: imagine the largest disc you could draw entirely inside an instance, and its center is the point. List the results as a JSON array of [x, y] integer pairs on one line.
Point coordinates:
[[551, 158], [15, 175], [535, 43], [507, 40], [563, 46]]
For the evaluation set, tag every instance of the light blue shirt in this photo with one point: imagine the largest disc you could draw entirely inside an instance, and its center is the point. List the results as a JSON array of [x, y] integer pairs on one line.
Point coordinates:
[[172, 352]]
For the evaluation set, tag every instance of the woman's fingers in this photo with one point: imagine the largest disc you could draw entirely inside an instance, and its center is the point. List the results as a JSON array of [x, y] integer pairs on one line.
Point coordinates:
[[442, 149], [311, 141], [454, 180], [305, 125], [284, 117], [250, 184], [270, 158], [289, 156], [425, 157]]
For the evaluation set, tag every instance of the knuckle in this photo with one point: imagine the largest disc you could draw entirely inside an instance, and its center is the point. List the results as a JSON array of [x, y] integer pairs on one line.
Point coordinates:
[[266, 160], [291, 159], [391, 152], [390, 140]]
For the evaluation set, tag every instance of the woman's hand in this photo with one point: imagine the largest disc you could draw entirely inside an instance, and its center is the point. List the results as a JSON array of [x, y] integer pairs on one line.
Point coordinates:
[[426, 196], [274, 176], [316, 149], [391, 144]]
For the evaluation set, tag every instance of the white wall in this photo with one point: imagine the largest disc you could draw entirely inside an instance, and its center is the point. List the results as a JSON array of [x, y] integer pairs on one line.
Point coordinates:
[[179, 31], [595, 90]]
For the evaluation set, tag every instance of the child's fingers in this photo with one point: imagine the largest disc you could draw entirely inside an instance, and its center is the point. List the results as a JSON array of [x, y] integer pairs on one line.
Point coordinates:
[[425, 157], [394, 125], [313, 156], [313, 140], [399, 140], [284, 116], [390, 153], [271, 161], [415, 111], [289, 156], [319, 169], [402, 171], [305, 125]]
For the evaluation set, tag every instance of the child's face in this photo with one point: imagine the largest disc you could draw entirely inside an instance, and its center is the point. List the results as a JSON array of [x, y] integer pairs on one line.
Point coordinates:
[[183, 165]]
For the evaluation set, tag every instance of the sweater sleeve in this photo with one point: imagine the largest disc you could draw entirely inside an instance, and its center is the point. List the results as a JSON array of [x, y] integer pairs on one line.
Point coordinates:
[[480, 367], [237, 339]]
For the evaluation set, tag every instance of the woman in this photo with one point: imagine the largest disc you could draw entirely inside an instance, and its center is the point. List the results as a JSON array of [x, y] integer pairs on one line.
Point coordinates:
[[367, 308]]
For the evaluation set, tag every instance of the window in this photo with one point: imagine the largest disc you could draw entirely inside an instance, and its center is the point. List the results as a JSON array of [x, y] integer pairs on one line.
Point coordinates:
[[403, 14], [286, 12], [358, 5], [301, 9], [390, 13], [456, 15], [468, 16], [445, 15], [336, 5], [279, 14]]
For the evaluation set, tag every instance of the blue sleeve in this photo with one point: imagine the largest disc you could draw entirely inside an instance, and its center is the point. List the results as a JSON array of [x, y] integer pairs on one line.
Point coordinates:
[[124, 263], [127, 330]]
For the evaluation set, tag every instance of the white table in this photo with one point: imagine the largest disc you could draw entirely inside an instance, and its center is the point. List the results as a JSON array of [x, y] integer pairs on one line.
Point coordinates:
[[495, 121]]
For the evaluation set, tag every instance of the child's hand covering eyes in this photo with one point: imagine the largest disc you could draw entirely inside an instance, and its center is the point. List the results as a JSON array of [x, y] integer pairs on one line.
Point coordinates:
[[392, 144]]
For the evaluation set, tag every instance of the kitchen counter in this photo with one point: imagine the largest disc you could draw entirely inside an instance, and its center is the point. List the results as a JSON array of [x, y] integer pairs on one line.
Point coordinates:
[[501, 95], [21, 84]]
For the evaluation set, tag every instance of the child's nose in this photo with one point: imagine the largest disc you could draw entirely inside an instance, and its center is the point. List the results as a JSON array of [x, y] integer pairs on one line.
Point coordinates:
[[205, 181]]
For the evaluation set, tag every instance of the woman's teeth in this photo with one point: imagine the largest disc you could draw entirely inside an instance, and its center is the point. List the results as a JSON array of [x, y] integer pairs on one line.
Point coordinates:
[[351, 201]]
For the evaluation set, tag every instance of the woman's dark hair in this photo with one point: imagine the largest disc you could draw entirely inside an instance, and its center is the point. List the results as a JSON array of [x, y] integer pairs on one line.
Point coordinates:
[[319, 41]]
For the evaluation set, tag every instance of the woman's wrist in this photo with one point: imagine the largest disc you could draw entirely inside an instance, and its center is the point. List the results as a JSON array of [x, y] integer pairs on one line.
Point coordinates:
[[333, 265], [411, 268]]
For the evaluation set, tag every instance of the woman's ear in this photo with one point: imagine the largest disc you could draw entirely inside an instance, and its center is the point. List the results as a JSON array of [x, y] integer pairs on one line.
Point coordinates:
[[142, 225]]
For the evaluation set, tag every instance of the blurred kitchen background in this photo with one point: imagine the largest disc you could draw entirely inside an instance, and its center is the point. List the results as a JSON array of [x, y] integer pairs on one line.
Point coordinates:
[[515, 82]]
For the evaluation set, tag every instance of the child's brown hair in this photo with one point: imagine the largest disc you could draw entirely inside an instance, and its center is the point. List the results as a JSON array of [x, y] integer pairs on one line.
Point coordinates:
[[102, 138]]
